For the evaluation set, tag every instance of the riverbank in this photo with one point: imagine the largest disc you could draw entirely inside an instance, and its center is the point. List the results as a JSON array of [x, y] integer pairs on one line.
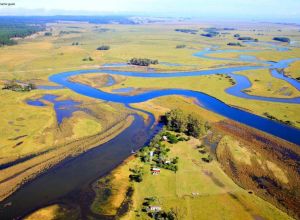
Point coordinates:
[[214, 85], [14, 177], [28, 132], [254, 155], [201, 189]]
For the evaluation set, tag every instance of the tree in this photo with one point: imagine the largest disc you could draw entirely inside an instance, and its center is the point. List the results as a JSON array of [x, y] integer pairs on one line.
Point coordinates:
[[193, 126], [137, 174], [31, 86], [180, 46], [103, 47], [176, 120]]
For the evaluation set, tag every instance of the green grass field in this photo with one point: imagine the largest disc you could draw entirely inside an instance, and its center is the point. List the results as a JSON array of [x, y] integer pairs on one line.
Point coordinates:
[[263, 84], [294, 70], [215, 85], [29, 130], [219, 197]]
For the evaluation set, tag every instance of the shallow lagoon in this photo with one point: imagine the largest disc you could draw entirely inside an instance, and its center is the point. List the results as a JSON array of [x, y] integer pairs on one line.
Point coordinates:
[[63, 108]]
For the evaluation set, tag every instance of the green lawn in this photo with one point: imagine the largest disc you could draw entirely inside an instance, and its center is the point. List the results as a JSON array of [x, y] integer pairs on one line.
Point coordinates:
[[219, 197], [215, 85]]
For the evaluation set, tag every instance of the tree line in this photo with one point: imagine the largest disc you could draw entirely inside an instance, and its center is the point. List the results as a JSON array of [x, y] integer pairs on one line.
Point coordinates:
[[187, 31], [9, 31], [235, 44], [248, 39]]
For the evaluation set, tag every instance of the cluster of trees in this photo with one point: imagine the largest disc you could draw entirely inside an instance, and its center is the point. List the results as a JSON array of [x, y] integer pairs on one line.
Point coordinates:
[[159, 153], [102, 30], [282, 39], [207, 158], [211, 32], [18, 86], [103, 47], [248, 39], [136, 174], [162, 215], [228, 29], [48, 34], [142, 61], [187, 31], [180, 46], [268, 115], [230, 79], [173, 139], [11, 30], [177, 120], [75, 43], [236, 35], [157, 214], [69, 32], [235, 44], [87, 59], [168, 166]]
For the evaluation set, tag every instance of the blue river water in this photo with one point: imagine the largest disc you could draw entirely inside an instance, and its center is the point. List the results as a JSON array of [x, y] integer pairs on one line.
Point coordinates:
[[85, 168], [272, 127], [63, 108], [280, 130]]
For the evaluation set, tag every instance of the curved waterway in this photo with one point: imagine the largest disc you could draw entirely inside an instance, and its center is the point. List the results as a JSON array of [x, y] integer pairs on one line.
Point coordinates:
[[75, 174], [71, 176]]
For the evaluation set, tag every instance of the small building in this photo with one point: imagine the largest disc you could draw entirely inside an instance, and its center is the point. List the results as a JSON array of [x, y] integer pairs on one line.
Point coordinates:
[[195, 193], [165, 138], [167, 162], [155, 208], [155, 171], [151, 153]]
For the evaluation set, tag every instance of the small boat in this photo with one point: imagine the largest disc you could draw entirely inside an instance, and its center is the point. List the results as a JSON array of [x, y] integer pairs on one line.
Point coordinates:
[[7, 204], [132, 151]]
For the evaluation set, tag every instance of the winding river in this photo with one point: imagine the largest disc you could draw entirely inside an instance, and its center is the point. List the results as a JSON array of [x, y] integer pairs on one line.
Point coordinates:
[[77, 173]]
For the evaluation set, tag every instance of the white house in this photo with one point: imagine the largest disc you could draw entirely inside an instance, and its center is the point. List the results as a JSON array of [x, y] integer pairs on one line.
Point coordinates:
[[155, 208], [151, 153], [165, 138]]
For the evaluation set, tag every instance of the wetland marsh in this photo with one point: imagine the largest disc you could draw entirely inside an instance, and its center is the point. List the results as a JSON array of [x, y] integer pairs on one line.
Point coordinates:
[[87, 116]]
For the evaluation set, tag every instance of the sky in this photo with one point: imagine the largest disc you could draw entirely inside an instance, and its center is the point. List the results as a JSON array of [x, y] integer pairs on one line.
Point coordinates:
[[243, 9]]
